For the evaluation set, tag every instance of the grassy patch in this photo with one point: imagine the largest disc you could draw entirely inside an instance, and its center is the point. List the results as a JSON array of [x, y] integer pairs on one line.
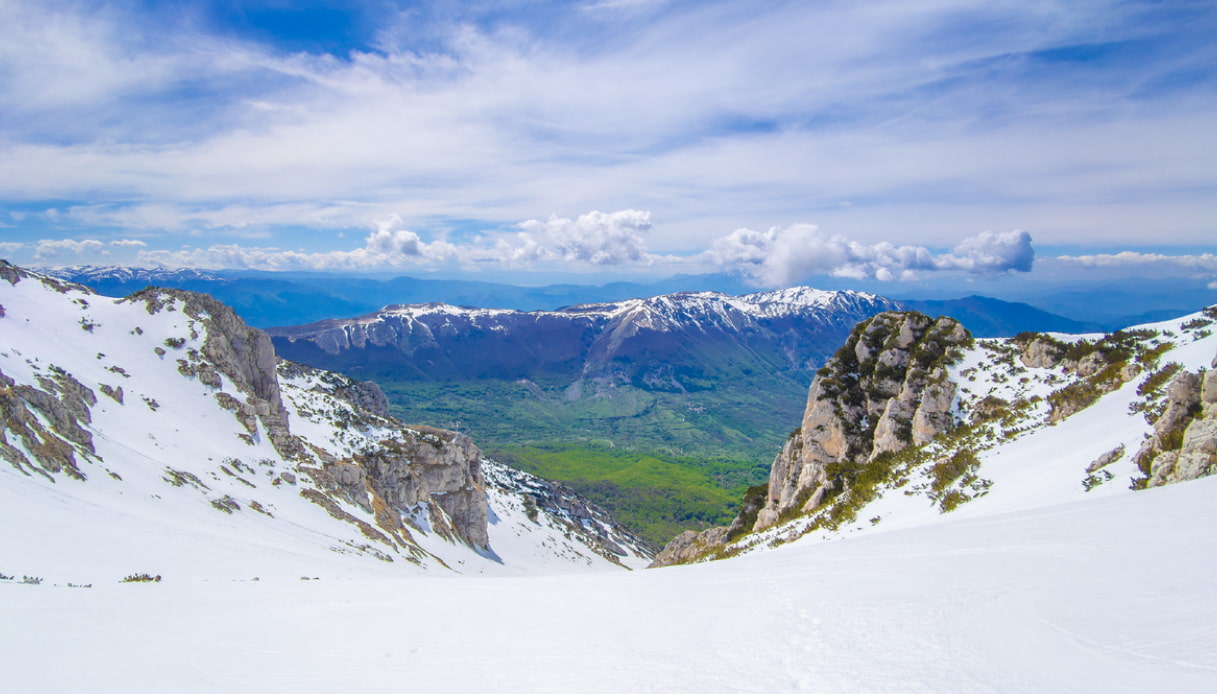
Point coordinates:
[[656, 495]]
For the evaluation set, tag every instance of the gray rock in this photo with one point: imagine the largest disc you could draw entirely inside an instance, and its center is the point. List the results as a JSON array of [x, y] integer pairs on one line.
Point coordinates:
[[891, 372], [1183, 445], [1042, 352], [1106, 459]]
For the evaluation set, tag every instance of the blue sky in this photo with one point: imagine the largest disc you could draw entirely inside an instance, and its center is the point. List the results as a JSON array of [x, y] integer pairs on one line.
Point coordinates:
[[891, 141]]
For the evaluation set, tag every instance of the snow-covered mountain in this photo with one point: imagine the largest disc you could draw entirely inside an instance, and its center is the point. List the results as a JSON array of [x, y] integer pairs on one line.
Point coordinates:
[[91, 275], [1050, 577], [160, 434], [913, 418], [724, 368], [781, 330]]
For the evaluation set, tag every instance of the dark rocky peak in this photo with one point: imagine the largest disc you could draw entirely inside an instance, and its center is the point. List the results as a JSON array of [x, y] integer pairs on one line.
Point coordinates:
[[13, 274]]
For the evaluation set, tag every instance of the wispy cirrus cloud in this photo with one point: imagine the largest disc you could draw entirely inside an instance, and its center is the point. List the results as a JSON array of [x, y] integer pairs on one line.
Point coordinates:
[[1080, 121]]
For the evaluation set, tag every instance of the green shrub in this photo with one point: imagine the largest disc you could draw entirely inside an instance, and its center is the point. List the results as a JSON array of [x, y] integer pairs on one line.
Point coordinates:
[[1158, 379], [141, 578]]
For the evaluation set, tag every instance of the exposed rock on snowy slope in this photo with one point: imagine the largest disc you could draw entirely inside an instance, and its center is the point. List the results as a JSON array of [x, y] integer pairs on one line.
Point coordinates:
[[912, 417], [140, 408]]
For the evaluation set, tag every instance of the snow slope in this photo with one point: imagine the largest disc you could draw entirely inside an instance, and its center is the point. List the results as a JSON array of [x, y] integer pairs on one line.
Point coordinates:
[[1028, 460], [175, 485], [1111, 594], [1037, 586]]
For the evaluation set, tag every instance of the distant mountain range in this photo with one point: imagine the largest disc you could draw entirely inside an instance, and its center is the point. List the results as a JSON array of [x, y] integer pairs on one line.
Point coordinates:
[[706, 381], [159, 434], [265, 299]]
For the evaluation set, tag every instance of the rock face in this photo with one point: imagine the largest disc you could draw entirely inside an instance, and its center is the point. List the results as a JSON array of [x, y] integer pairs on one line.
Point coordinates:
[[592, 526], [206, 408], [1183, 445], [885, 389], [49, 421], [243, 354]]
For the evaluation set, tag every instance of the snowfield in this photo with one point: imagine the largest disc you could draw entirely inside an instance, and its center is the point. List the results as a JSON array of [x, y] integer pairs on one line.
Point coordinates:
[[1106, 594], [1041, 584]]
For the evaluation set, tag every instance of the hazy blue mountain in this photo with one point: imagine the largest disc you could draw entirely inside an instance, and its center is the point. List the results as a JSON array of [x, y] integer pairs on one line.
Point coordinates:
[[987, 317], [266, 299]]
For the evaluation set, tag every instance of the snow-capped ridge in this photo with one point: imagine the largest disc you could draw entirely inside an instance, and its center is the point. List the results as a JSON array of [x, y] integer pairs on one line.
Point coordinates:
[[912, 419], [164, 410]]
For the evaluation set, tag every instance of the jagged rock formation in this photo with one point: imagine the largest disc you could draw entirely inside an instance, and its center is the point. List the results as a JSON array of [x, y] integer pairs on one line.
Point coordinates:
[[243, 354], [1183, 445], [885, 389], [561, 507], [914, 408], [314, 435]]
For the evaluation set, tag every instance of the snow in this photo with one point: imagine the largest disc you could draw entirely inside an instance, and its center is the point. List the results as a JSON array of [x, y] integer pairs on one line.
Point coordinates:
[[1102, 594], [658, 312], [129, 517], [1038, 586]]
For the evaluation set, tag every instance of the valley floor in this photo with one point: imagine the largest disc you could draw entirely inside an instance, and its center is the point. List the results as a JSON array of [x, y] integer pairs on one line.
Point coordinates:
[[1109, 594]]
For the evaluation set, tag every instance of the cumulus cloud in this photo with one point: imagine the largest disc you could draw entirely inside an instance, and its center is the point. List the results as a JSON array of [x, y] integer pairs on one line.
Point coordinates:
[[787, 255], [128, 243], [594, 239], [989, 252], [391, 239], [59, 249], [10, 246], [599, 238]]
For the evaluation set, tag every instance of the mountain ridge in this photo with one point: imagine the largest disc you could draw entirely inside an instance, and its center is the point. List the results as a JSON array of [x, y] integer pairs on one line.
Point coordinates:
[[866, 433], [165, 409]]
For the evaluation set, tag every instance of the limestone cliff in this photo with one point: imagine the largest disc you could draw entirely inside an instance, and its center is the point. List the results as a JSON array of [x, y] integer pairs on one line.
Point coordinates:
[[1183, 445], [885, 389], [170, 393]]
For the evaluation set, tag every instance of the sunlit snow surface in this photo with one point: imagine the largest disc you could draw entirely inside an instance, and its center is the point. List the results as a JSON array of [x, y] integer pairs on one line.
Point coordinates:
[[128, 518], [1037, 587], [1115, 594]]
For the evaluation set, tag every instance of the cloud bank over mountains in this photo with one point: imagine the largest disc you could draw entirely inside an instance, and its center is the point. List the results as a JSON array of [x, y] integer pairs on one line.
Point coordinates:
[[895, 127], [778, 256]]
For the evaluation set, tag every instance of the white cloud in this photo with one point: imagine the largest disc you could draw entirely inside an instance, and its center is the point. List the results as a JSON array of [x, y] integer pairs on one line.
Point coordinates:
[[10, 246], [615, 238], [988, 252], [1196, 266], [790, 254], [391, 240], [1128, 259], [713, 115], [59, 249], [128, 243]]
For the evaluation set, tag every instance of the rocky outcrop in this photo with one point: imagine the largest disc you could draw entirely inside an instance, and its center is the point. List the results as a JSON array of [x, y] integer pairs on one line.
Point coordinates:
[[1183, 445], [575, 515], [436, 466], [409, 468], [1041, 352], [887, 388], [243, 354], [690, 546], [49, 422]]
